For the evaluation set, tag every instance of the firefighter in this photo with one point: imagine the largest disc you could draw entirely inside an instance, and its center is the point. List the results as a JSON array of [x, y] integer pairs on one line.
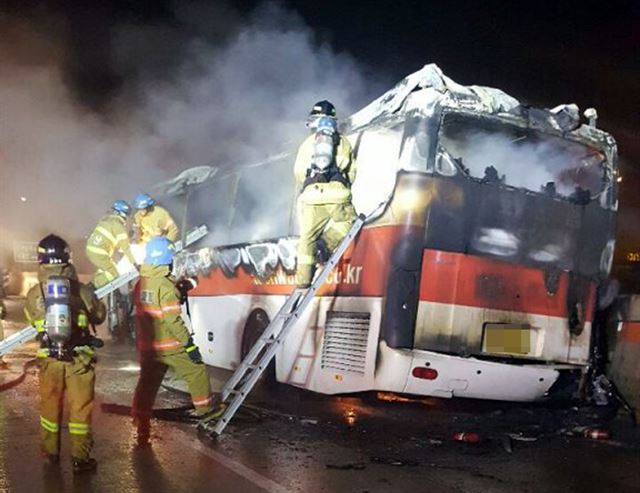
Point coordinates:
[[163, 339], [152, 220], [324, 172], [108, 238], [62, 310]]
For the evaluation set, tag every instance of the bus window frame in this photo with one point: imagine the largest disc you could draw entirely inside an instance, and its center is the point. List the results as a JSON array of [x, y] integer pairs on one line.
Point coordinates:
[[432, 123], [609, 188]]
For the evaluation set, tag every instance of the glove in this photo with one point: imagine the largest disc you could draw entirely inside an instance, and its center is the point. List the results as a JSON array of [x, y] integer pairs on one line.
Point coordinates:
[[43, 338], [192, 351], [85, 354], [184, 286]]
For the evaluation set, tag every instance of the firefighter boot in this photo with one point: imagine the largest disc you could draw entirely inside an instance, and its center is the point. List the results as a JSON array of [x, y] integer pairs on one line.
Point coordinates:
[[82, 466], [209, 420], [214, 414]]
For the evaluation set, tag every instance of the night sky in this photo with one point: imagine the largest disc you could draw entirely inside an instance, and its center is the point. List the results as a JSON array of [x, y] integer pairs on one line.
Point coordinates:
[[543, 52]]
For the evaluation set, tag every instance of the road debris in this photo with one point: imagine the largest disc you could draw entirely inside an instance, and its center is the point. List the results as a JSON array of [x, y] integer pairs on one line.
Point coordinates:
[[467, 437], [506, 443], [358, 466], [393, 461], [518, 437], [597, 434]]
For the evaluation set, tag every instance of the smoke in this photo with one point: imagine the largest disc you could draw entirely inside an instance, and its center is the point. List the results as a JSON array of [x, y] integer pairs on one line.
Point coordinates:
[[210, 86], [527, 161]]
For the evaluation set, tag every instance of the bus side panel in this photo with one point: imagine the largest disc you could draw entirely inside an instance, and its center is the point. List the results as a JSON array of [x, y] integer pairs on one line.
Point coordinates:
[[219, 322], [333, 357], [402, 288]]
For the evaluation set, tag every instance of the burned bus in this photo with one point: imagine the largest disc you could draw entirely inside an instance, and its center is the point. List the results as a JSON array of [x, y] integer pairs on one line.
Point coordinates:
[[477, 278]]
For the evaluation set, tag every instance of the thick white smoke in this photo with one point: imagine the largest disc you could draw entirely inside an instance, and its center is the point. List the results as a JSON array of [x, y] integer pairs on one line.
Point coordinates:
[[227, 90], [530, 163]]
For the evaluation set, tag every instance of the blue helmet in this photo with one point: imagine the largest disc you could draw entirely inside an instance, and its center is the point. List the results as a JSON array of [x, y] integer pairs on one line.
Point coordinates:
[[142, 201], [327, 125], [121, 207], [159, 251]]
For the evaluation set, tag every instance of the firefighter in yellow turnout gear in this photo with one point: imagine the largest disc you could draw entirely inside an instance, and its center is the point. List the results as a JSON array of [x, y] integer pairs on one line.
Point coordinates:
[[163, 339], [109, 237], [324, 171], [152, 220], [62, 309]]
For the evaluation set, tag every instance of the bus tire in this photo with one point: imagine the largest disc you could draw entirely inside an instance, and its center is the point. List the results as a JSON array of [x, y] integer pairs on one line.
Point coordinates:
[[254, 327]]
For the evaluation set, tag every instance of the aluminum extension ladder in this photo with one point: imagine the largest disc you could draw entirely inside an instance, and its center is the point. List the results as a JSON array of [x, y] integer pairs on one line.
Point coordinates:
[[28, 333], [253, 365]]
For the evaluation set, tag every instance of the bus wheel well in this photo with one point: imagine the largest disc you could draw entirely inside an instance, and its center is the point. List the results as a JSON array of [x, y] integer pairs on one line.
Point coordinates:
[[256, 323]]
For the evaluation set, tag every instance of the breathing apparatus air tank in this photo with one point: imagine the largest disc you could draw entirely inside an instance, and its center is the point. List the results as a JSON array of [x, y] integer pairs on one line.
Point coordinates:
[[57, 313], [324, 144]]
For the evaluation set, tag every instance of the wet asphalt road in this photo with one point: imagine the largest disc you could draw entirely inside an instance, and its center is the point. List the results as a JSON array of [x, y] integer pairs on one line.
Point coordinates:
[[290, 440]]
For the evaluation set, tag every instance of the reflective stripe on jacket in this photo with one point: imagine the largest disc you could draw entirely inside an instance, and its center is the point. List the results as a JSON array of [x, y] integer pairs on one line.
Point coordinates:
[[158, 312]]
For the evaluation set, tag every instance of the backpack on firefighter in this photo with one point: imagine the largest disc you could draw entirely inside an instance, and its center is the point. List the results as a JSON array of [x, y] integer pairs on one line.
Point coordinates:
[[323, 167]]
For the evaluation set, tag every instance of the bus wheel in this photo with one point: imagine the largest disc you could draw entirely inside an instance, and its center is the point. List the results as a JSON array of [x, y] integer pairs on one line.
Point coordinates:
[[255, 326]]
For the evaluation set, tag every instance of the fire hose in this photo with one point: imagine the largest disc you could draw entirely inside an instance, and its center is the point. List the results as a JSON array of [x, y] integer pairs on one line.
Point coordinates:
[[18, 380]]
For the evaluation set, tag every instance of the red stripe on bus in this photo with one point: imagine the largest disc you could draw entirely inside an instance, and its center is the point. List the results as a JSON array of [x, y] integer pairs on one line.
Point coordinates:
[[630, 332], [458, 279], [451, 278], [362, 271]]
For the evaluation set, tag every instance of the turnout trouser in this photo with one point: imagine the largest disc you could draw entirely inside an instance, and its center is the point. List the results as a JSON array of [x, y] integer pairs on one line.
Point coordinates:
[[106, 270], [331, 222], [153, 367], [77, 379]]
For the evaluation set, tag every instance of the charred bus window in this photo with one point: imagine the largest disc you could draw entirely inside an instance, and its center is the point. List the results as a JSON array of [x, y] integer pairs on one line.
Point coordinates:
[[263, 201], [208, 204], [503, 153], [248, 204]]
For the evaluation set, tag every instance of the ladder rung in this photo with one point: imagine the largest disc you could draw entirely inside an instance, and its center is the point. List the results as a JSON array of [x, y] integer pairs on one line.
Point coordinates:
[[236, 393]]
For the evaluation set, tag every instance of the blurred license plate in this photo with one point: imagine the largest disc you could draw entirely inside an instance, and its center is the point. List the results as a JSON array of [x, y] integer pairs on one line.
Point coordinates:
[[507, 339]]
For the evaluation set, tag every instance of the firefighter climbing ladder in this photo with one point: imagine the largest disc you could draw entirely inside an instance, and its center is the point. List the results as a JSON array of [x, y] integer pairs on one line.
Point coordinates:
[[247, 374], [25, 335]]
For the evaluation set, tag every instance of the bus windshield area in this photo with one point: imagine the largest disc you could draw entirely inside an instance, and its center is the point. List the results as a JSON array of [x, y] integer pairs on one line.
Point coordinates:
[[498, 152]]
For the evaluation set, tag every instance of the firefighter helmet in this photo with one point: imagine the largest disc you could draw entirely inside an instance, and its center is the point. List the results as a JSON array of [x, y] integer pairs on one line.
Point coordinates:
[[142, 201], [121, 207], [159, 251], [323, 108], [53, 250]]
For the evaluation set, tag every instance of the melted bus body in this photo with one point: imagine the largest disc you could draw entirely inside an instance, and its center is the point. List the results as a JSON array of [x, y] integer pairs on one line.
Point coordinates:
[[479, 277]]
